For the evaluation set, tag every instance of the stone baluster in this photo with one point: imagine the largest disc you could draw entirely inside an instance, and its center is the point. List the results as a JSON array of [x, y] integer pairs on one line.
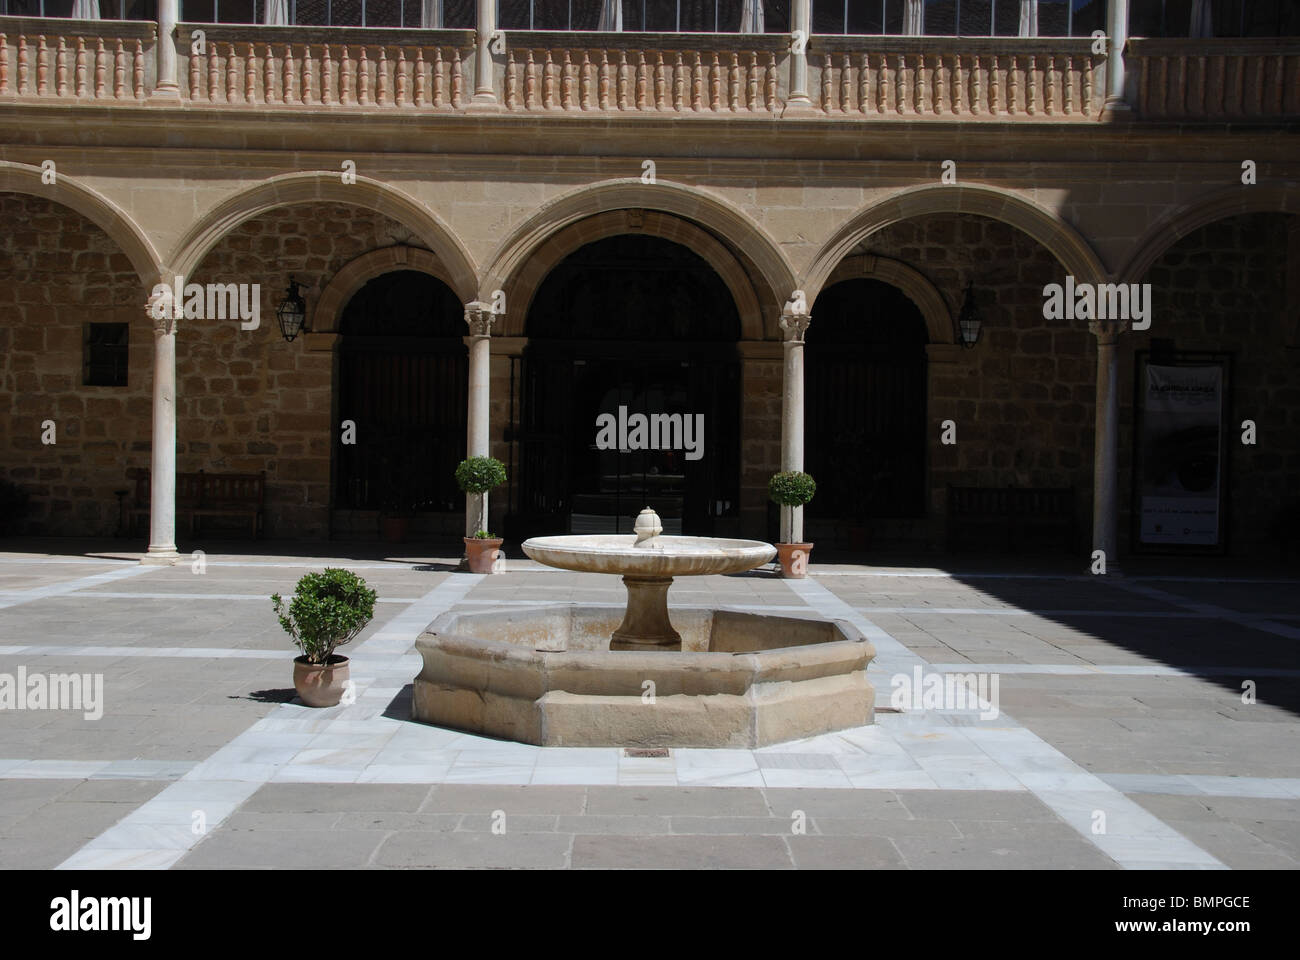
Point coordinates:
[[79, 72]]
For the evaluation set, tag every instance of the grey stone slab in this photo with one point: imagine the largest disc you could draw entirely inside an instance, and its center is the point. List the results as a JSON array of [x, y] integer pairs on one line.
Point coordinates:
[[251, 820], [282, 849], [847, 827], [508, 822], [336, 797], [1253, 808], [1236, 846], [846, 853], [115, 791], [680, 853], [1175, 807], [975, 805], [511, 850], [678, 801], [391, 822], [1027, 852], [629, 825], [523, 799], [741, 826], [872, 804]]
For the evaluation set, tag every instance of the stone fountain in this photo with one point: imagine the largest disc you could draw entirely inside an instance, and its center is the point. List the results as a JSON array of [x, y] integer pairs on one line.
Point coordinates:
[[574, 675]]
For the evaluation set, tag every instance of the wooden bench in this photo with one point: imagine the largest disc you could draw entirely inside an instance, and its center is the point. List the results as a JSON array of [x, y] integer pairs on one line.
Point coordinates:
[[1011, 518], [203, 494]]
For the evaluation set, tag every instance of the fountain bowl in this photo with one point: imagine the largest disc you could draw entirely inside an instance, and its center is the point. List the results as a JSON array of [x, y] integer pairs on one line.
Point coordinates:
[[659, 557], [545, 675]]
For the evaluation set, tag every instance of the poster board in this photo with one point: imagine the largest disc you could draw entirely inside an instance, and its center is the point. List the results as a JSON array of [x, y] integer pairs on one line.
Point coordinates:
[[1180, 456]]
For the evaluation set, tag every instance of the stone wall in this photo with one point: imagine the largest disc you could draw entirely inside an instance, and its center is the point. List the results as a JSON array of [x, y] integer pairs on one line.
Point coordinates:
[[59, 271], [248, 401], [1022, 398], [1223, 288]]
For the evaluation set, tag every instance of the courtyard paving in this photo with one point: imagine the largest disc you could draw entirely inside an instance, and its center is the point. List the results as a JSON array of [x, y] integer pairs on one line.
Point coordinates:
[[1122, 741]]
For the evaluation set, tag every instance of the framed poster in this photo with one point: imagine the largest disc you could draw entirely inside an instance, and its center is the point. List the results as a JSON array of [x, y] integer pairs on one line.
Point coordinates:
[[1180, 458]]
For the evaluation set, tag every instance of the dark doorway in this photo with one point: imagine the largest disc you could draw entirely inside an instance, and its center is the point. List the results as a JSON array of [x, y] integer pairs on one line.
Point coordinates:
[[865, 382], [402, 380], [642, 324]]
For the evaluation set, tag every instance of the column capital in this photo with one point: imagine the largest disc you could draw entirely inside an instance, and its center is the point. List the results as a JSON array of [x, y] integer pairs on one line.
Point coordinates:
[[159, 309], [794, 326], [479, 315], [1107, 331]]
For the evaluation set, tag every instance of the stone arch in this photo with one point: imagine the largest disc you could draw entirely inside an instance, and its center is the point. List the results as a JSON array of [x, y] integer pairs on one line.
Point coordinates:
[[95, 207], [1054, 234], [1220, 205], [923, 293], [686, 203], [295, 188], [522, 287], [356, 273]]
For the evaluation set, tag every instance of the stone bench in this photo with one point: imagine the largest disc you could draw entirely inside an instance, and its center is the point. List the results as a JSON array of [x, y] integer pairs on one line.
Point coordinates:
[[204, 494], [1011, 518]]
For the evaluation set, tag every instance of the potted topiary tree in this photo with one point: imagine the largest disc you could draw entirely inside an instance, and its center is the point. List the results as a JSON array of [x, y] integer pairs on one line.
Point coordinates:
[[792, 489], [327, 610], [478, 475]]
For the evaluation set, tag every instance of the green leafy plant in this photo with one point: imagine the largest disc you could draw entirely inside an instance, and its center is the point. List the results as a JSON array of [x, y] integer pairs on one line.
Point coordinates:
[[484, 535], [791, 489], [327, 610], [478, 475]]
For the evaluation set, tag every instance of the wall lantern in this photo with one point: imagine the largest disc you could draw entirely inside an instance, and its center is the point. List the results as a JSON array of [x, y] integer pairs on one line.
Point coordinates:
[[291, 313], [969, 321]]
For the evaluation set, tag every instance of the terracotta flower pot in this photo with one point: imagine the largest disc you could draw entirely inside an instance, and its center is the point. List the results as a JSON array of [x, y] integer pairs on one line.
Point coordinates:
[[321, 684], [481, 555], [794, 559]]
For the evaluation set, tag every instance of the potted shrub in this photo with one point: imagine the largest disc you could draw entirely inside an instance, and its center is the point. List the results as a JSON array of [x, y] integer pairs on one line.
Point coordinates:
[[327, 610], [478, 475], [789, 490]]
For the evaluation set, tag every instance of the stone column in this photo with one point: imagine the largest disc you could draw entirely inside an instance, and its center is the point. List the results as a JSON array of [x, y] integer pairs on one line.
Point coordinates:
[[1105, 472], [798, 101], [162, 469], [167, 84], [793, 328], [485, 95], [1117, 31], [479, 316]]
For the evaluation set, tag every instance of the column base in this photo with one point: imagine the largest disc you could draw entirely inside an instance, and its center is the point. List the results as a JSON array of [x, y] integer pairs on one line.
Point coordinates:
[[1116, 111], [160, 557], [484, 103], [168, 91], [802, 107]]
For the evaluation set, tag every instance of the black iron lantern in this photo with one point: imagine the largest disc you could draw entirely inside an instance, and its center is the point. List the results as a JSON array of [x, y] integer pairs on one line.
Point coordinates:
[[969, 320], [291, 313]]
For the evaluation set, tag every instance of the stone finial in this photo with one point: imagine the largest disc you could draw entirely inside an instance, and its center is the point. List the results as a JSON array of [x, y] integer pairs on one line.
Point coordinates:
[[647, 527]]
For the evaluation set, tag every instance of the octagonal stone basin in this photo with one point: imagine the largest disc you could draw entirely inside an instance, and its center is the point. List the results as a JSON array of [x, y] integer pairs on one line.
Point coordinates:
[[544, 675]]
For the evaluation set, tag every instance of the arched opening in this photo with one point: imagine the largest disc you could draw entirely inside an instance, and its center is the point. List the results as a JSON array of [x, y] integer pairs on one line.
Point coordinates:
[[865, 377], [402, 382], [628, 327]]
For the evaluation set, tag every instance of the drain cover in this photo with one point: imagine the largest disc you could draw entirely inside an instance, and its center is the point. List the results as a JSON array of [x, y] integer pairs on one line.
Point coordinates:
[[645, 751]]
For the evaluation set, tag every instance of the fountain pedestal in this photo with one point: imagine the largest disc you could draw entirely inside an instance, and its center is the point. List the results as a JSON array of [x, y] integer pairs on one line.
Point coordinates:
[[645, 624]]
